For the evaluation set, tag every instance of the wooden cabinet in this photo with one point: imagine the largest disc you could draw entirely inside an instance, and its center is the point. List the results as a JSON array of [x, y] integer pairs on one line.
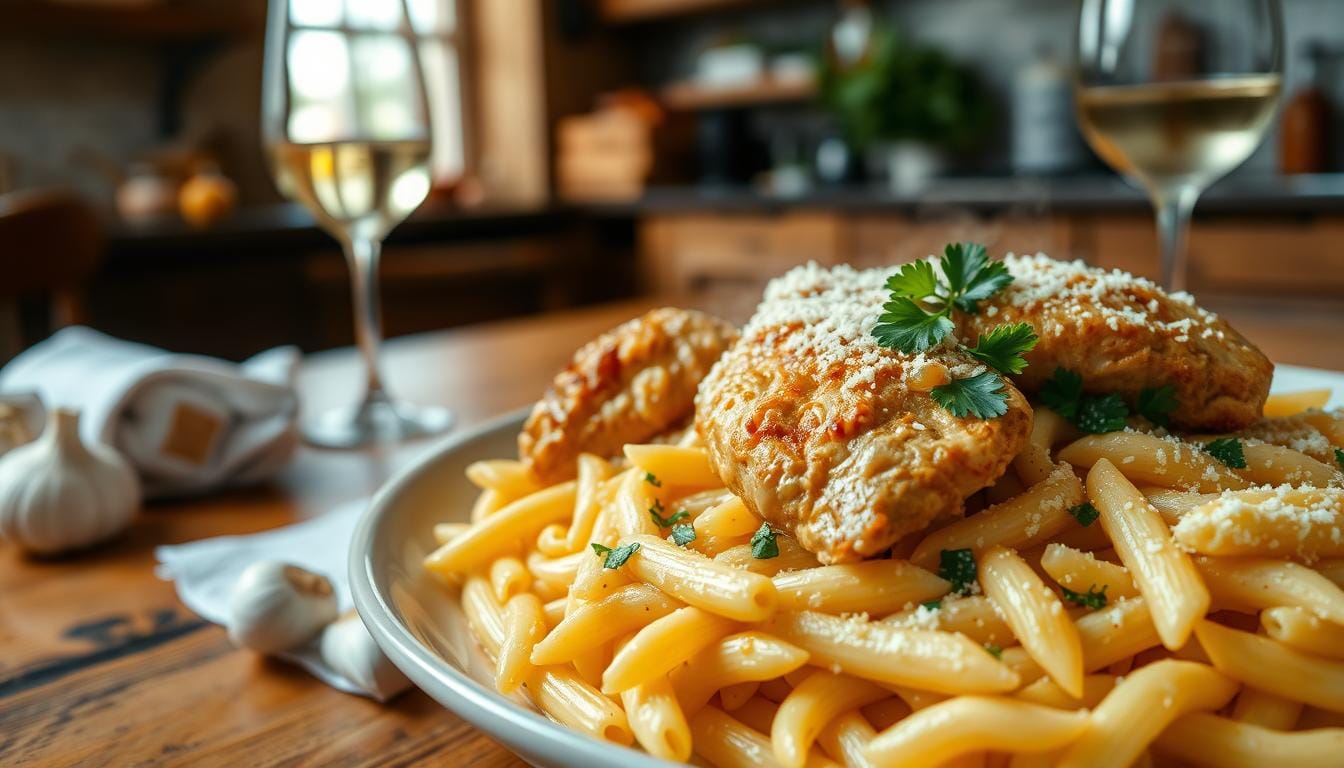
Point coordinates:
[[1282, 255]]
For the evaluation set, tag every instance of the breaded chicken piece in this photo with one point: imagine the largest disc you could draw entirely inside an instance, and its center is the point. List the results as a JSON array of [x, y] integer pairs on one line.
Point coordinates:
[[836, 439], [1124, 334], [626, 386]]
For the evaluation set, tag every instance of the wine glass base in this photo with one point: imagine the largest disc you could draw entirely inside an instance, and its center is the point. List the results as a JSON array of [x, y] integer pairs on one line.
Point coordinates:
[[375, 421]]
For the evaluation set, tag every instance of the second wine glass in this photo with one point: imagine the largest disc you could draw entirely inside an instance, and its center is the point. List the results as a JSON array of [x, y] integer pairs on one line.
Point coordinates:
[[345, 119], [1175, 95]]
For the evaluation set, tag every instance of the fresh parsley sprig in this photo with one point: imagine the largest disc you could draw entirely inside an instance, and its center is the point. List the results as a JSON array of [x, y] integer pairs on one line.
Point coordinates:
[[683, 534], [1157, 404], [918, 316], [1339, 459], [653, 480]]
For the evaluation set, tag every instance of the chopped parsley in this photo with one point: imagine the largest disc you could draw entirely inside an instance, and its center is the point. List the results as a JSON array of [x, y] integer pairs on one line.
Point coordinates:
[[1228, 451], [1094, 414], [1092, 598], [683, 534], [933, 605], [918, 315], [994, 650], [656, 512], [1157, 404], [1339, 459], [615, 558], [763, 543], [1085, 513], [653, 480], [958, 567]]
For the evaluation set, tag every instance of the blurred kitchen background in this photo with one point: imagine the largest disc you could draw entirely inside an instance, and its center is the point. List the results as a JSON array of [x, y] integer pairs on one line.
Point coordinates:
[[590, 150]]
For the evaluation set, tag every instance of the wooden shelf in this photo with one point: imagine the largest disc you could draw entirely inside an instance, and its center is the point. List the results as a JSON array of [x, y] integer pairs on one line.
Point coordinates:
[[148, 22], [691, 96], [625, 11]]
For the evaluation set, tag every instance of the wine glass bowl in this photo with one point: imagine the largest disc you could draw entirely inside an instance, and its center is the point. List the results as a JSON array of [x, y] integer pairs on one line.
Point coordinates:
[[346, 125], [1175, 95]]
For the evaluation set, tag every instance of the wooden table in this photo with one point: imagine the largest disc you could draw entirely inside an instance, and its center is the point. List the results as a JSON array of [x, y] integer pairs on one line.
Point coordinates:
[[101, 665]]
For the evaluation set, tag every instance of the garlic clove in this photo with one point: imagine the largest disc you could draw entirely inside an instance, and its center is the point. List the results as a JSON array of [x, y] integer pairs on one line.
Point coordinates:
[[278, 607], [348, 648], [58, 494]]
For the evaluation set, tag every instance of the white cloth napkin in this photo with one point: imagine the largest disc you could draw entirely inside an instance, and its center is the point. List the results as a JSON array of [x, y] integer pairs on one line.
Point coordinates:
[[205, 571], [188, 423]]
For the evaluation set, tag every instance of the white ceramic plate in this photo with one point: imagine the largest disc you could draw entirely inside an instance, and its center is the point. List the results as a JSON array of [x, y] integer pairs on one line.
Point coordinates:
[[421, 626]]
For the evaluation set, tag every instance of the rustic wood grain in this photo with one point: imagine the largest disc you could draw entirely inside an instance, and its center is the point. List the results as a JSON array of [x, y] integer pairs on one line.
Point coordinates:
[[100, 665]]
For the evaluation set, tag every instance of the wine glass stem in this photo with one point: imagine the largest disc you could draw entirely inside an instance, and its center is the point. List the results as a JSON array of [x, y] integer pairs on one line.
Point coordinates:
[[1173, 225], [362, 255]]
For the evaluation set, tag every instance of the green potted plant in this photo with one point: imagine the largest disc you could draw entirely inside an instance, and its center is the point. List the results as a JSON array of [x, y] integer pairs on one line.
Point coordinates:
[[906, 107]]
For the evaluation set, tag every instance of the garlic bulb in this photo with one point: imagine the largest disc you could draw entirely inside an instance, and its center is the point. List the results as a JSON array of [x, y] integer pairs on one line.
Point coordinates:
[[58, 494], [277, 607], [348, 648]]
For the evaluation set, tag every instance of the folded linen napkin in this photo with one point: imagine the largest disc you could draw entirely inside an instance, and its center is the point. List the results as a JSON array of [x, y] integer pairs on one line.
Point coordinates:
[[188, 423], [205, 571]]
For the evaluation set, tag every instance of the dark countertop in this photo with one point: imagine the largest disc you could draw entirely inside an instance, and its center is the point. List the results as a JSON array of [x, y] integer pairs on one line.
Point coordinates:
[[1322, 193], [289, 226]]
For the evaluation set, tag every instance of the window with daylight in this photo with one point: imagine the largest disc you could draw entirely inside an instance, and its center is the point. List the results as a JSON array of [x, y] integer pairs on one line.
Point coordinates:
[[341, 49]]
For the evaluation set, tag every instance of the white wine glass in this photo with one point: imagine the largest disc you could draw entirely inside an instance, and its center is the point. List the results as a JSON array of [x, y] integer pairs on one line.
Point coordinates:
[[346, 124], [1174, 95]]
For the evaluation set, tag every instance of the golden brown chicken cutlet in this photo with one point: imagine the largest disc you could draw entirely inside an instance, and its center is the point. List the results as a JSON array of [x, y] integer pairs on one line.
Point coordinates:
[[626, 386], [1124, 334], [836, 439]]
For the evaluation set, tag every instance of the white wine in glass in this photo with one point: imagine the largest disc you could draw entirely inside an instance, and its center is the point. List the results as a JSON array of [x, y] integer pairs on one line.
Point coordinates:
[[1175, 95], [345, 119]]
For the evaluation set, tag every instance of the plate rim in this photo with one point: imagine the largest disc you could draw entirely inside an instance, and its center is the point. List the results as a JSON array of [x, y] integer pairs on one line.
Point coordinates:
[[480, 706]]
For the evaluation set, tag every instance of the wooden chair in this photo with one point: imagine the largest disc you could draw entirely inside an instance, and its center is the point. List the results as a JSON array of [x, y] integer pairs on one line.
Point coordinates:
[[51, 242]]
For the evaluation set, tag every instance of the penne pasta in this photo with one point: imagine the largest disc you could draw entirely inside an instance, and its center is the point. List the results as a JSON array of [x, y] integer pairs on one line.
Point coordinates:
[[935, 661], [622, 612], [524, 625], [657, 721], [1305, 631], [1165, 576], [727, 520], [1126, 721], [661, 645], [1253, 584], [1108, 636], [974, 616], [1266, 710], [887, 712], [1203, 739], [634, 503], [487, 503], [1039, 513], [729, 743], [1273, 667], [970, 724], [1268, 464], [1035, 615], [508, 477], [1303, 523], [1033, 464], [791, 557], [571, 701], [508, 577], [1081, 571], [1280, 404], [845, 738], [1048, 693], [558, 570], [1168, 462], [810, 706], [674, 465], [488, 539], [733, 696], [551, 541], [874, 586], [593, 471], [747, 657], [700, 581]]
